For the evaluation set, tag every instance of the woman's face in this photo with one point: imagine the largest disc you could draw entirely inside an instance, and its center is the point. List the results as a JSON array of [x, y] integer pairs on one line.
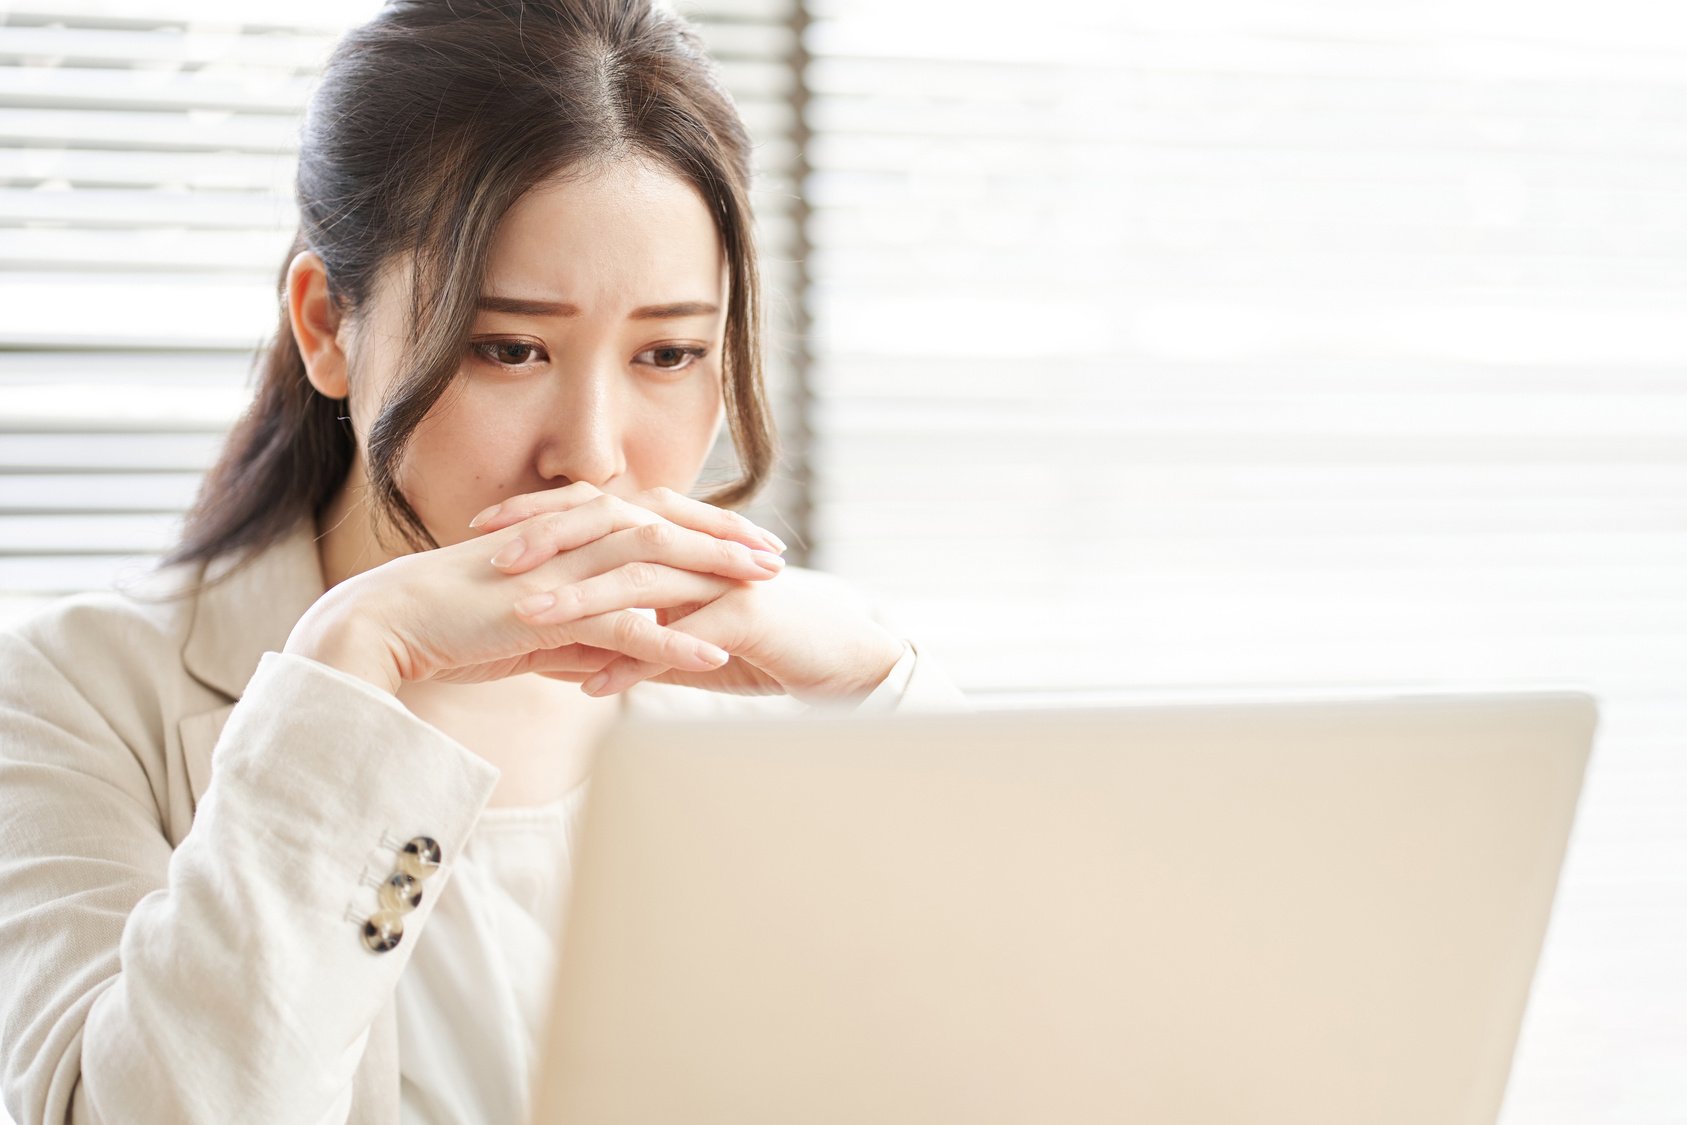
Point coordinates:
[[594, 354]]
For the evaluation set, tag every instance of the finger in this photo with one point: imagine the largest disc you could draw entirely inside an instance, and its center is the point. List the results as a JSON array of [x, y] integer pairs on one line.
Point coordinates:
[[635, 635], [620, 674], [722, 523], [528, 505], [549, 534], [709, 621], [635, 585], [658, 542]]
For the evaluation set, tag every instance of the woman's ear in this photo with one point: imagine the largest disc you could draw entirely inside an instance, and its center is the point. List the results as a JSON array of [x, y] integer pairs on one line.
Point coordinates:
[[316, 324]]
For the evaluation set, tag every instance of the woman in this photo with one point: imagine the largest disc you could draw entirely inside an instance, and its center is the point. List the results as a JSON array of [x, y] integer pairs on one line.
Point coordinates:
[[286, 828]]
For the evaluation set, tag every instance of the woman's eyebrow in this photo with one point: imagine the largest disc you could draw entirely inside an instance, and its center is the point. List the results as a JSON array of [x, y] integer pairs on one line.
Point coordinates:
[[517, 306], [676, 311]]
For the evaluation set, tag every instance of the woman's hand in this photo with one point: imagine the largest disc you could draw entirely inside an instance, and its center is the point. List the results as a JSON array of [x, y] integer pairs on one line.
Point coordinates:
[[802, 633], [448, 614]]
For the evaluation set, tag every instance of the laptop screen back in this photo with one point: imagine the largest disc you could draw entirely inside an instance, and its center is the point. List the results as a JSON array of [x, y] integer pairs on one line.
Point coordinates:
[[1317, 913]]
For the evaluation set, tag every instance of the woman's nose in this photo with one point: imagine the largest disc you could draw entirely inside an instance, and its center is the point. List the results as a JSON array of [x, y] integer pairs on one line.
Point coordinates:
[[581, 437]]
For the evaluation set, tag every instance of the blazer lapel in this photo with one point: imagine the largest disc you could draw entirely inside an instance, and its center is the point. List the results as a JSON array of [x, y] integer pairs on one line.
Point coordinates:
[[199, 735], [243, 611]]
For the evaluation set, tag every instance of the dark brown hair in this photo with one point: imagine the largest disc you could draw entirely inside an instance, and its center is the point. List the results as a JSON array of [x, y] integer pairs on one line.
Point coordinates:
[[430, 121]]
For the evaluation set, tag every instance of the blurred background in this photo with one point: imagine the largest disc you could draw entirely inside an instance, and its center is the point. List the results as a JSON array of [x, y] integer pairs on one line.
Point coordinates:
[[1146, 350]]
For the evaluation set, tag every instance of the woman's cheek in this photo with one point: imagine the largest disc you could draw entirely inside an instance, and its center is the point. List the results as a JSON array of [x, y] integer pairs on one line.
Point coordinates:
[[459, 468]]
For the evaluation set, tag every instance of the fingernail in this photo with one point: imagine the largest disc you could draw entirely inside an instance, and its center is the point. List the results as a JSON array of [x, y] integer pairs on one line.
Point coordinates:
[[778, 544], [715, 656], [484, 516], [510, 552], [767, 561], [535, 604], [595, 684]]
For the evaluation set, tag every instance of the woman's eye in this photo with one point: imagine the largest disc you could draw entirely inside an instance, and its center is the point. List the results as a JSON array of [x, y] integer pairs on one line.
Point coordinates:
[[507, 353], [670, 357]]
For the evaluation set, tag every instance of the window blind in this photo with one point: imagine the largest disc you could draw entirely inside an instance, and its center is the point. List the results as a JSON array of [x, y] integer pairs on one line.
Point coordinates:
[[1289, 348], [146, 160]]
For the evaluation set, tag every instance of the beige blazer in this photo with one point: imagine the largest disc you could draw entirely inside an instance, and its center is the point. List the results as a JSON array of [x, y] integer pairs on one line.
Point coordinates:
[[192, 828]]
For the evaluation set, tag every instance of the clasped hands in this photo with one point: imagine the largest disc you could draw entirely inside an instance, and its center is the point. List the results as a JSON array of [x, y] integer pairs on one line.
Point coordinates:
[[550, 583]]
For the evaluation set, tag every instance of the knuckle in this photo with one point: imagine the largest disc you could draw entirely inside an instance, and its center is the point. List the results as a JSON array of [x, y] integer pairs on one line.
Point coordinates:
[[571, 601], [660, 494], [658, 536], [639, 575], [604, 502], [627, 630]]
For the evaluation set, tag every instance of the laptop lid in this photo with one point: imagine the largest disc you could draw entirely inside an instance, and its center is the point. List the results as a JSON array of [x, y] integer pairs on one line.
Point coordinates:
[[1318, 912]]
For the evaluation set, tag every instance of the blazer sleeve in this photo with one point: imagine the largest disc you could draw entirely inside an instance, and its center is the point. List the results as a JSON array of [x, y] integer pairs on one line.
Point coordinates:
[[226, 979]]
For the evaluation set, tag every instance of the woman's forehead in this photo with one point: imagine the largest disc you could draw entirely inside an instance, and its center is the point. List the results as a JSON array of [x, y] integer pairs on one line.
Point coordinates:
[[628, 233]]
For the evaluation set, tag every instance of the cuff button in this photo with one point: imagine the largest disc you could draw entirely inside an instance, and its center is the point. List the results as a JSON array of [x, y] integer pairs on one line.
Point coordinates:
[[400, 893], [383, 930], [419, 858]]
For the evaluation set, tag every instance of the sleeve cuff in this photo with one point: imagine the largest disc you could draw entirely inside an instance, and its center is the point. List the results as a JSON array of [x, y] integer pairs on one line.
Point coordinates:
[[889, 692], [913, 684], [332, 776]]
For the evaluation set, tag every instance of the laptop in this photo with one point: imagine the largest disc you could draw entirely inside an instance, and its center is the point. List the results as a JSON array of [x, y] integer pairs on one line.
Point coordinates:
[[1314, 913]]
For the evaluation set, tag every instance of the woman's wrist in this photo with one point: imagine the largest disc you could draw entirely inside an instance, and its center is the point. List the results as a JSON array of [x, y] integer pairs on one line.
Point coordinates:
[[348, 643], [892, 657], [869, 671]]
